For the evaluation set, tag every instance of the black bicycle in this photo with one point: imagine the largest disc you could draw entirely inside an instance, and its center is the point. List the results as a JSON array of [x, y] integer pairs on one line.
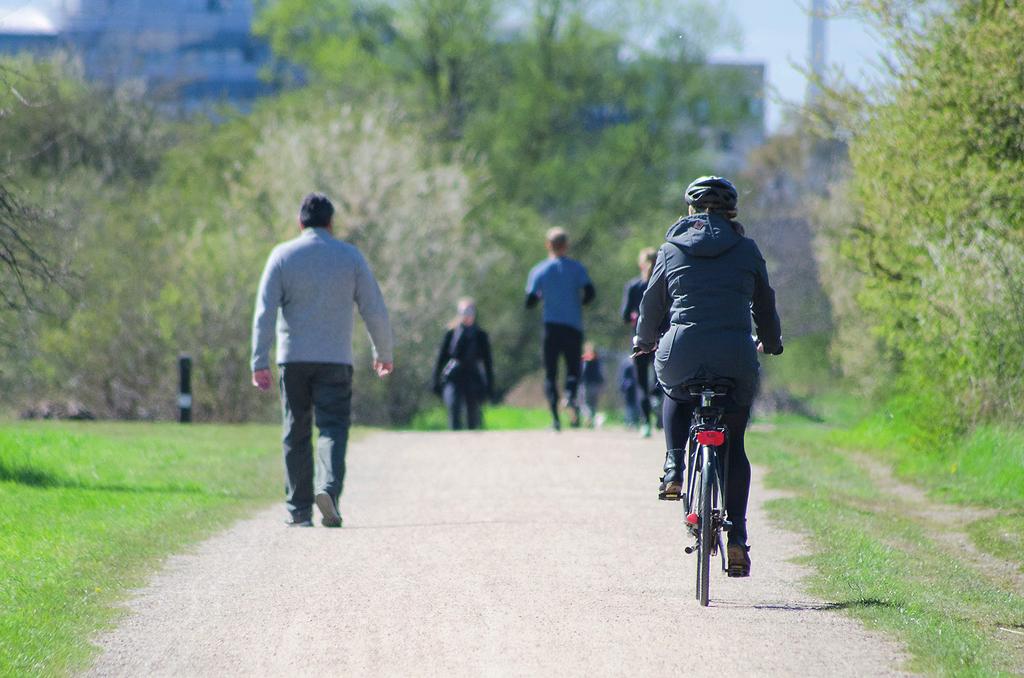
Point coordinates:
[[706, 468]]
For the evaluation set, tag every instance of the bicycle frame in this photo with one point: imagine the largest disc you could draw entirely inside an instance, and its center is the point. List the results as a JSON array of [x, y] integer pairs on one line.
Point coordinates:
[[707, 452]]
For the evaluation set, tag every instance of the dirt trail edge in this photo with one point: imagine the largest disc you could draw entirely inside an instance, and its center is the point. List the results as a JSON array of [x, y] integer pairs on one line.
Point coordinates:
[[522, 554]]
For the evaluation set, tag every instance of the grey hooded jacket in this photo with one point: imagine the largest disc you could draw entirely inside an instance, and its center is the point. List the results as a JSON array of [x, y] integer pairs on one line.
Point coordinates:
[[708, 279]]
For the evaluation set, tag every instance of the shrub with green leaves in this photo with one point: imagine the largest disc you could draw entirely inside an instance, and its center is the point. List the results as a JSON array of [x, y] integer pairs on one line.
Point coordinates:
[[937, 230]]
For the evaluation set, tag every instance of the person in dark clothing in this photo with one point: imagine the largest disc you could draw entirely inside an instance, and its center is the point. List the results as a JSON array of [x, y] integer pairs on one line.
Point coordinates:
[[592, 383], [630, 311], [709, 278], [464, 372], [565, 287], [627, 387]]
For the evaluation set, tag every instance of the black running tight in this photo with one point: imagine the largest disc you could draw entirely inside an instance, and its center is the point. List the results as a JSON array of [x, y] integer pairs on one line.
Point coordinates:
[[677, 416], [561, 342]]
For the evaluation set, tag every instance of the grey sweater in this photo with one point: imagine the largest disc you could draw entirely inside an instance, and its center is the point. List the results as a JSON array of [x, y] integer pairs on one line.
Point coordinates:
[[308, 289]]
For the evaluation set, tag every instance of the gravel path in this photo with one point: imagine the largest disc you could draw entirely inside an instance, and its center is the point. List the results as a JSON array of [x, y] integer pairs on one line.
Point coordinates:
[[504, 554]]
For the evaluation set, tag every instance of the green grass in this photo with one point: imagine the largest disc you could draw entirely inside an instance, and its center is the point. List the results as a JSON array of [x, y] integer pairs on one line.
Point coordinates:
[[497, 418], [1002, 536], [87, 510], [506, 418], [983, 468], [883, 566]]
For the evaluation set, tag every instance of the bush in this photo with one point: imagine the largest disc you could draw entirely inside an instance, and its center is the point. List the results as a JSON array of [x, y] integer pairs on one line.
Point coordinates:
[[933, 243]]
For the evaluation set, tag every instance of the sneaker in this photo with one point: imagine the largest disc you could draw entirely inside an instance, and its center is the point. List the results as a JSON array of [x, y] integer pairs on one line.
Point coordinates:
[[739, 560], [299, 522], [328, 509], [556, 425], [645, 431], [671, 491]]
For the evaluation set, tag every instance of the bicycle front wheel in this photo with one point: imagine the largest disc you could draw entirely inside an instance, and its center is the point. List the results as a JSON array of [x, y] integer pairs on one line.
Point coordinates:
[[706, 542]]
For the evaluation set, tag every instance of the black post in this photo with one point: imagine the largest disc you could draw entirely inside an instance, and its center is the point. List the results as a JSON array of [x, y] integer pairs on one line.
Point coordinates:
[[185, 388]]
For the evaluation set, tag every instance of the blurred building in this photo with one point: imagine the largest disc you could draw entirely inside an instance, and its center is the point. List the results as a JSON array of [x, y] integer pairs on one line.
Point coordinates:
[[734, 124], [187, 55]]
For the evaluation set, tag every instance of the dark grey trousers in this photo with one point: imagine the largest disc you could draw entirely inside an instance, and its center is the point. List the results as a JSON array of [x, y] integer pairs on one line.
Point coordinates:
[[323, 390]]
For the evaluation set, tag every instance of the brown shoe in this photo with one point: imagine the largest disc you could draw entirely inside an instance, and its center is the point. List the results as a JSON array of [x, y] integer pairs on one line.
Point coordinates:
[[329, 510], [739, 560]]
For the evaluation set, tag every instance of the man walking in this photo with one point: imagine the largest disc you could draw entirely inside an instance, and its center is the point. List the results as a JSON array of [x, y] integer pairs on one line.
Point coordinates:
[[565, 286], [308, 290]]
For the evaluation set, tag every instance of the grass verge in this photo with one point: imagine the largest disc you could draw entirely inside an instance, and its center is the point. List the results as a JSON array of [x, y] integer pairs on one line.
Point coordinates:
[[87, 510], [883, 565], [496, 418], [503, 418], [984, 467]]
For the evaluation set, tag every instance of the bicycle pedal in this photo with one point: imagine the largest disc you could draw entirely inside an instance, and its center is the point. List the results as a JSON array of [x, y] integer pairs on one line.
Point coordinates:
[[669, 496]]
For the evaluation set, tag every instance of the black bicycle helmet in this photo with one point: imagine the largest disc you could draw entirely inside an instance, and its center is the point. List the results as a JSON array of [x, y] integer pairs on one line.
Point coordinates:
[[712, 193]]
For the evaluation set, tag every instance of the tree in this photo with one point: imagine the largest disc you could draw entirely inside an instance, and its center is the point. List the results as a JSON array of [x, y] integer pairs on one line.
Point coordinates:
[[29, 262], [575, 120], [936, 234], [72, 155]]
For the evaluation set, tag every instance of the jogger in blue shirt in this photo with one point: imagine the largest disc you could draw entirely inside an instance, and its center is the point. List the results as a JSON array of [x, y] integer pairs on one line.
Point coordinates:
[[564, 286]]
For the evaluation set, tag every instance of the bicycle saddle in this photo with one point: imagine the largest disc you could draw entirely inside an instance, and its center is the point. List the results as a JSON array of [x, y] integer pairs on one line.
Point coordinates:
[[717, 385]]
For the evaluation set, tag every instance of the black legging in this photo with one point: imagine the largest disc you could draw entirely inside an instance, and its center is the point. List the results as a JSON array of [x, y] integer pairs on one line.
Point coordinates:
[[677, 416], [459, 396], [643, 383], [561, 341]]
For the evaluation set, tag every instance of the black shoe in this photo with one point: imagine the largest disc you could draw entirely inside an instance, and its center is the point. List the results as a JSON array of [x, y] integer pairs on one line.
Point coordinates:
[[671, 488], [299, 522], [739, 560], [328, 509]]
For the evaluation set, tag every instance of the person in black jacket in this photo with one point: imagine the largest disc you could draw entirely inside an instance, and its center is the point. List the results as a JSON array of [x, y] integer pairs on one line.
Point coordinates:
[[709, 278], [630, 312], [463, 373], [591, 383]]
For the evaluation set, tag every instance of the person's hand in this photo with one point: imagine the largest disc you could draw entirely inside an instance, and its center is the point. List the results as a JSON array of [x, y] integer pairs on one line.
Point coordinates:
[[760, 347], [383, 369], [640, 349], [261, 379]]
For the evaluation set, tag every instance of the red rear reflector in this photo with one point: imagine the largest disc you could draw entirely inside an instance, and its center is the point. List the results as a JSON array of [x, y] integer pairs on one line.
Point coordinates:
[[692, 519], [715, 438]]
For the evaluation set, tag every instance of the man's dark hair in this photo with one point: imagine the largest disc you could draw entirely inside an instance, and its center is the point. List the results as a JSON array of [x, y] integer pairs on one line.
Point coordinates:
[[316, 211]]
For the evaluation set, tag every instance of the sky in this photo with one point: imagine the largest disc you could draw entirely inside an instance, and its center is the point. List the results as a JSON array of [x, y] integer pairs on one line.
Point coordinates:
[[773, 32]]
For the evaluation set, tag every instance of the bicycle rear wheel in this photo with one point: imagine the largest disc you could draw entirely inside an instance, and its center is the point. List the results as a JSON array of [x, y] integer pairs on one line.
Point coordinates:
[[705, 544]]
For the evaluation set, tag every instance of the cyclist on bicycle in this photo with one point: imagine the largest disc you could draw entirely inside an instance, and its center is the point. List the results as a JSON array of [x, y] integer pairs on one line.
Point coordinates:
[[708, 278]]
